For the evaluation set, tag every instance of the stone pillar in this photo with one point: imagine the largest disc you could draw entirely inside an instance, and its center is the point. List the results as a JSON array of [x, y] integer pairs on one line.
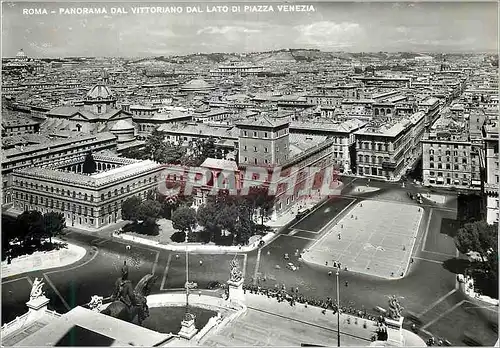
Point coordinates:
[[236, 290], [37, 307], [395, 331], [188, 328]]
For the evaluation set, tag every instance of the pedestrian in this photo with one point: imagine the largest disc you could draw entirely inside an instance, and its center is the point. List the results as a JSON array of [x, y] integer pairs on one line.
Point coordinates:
[[329, 273], [411, 261], [177, 256], [404, 248], [346, 283], [268, 252], [201, 262], [326, 263], [339, 236], [128, 247]]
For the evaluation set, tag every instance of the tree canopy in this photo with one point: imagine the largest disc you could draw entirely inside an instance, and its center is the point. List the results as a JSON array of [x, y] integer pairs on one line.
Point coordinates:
[[130, 209], [477, 236], [184, 219], [54, 224]]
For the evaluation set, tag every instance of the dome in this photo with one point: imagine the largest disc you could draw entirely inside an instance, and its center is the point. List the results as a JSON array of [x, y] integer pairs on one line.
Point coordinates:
[[197, 85], [122, 125], [21, 54], [100, 92]]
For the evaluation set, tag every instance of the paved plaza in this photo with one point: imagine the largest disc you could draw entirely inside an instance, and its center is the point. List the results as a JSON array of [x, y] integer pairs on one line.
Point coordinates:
[[374, 238]]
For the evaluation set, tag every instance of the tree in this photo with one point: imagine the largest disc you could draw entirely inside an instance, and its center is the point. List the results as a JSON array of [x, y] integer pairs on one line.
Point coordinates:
[[89, 166], [184, 219], [130, 209], [149, 211], [54, 224], [260, 199], [154, 143], [30, 227], [479, 237]]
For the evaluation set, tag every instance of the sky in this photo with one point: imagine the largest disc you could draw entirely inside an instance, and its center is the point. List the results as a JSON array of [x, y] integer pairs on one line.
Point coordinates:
[[332, 26]]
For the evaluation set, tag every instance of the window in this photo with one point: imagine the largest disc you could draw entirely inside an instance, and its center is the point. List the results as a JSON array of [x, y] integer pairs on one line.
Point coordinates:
[[265, 134], [245, 133], [255, 160], [245, 159], [255, 149], [102, 197]]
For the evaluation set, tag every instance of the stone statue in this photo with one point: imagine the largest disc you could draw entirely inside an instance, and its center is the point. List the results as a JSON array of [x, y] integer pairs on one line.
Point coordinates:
[[36, 290], [129, 302], [95, 303], [236, 275], [395, 308]]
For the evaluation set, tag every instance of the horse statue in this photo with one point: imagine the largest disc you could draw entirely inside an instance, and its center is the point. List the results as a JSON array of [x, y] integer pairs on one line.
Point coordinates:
[[236, 274], [130, 303], [37, 289], [395, 308]]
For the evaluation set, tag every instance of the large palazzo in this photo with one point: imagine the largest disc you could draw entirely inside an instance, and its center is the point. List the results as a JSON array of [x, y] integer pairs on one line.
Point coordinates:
[[87, 200]]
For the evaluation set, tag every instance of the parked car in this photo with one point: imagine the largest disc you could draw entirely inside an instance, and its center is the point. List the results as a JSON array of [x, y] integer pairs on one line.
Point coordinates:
[[302, 213], [214, 285], [291, 266], [380, 310], [286, 256]]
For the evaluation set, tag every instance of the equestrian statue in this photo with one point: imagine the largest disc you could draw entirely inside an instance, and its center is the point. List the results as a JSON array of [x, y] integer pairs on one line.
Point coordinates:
[[129, 302]]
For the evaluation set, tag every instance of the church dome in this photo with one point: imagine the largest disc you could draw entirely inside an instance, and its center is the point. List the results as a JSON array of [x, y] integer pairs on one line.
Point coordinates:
[[100, 91], [196, 85], [122, 125], [21, 54]]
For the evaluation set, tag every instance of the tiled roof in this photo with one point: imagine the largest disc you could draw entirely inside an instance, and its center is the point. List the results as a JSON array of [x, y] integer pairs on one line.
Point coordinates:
[[220, 164]]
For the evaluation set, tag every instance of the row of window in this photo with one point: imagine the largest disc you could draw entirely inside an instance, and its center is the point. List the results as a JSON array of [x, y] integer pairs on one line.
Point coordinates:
[[27, 161], [374, 159], [367, 145], [75, 208], [440, 174], [85, 196], [448, 166]]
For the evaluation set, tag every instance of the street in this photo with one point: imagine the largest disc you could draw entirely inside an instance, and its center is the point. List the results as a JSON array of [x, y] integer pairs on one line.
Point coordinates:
[[428, 290]]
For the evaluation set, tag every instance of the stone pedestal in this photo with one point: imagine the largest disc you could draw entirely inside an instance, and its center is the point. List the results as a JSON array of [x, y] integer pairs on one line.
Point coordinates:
[[395, 331], [236, 290], [37, 307], [394, 324], [188, 329]]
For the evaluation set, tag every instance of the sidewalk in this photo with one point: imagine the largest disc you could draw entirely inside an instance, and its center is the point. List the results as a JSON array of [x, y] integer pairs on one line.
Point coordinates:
[[313, 316], [41, 260], [196, 247]]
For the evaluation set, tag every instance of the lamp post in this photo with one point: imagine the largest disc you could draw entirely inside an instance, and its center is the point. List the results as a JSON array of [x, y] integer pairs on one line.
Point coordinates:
[[187, 275], [338, 308]]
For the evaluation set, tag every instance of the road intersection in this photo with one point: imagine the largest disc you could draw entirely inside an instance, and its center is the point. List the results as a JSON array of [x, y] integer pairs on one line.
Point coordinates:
[[428, 288]]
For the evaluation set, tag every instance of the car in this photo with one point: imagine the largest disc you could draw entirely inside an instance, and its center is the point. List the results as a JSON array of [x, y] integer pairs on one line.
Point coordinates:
[[286, 256], [380, 310], [291, 266], [302, 213], [214, 285]]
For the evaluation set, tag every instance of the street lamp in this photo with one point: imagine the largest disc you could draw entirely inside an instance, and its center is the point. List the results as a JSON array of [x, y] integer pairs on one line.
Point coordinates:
[[338, 307], [187, 275]]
